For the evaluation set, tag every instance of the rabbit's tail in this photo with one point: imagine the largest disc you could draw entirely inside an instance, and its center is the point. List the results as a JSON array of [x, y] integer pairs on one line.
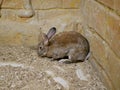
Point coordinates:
[[88, 55]]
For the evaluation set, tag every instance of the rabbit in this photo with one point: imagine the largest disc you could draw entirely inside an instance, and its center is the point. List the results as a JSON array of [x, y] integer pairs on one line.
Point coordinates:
[[69, 44]]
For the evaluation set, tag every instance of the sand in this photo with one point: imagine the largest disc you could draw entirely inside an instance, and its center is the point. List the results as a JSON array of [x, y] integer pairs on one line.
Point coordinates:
[[22, 69]]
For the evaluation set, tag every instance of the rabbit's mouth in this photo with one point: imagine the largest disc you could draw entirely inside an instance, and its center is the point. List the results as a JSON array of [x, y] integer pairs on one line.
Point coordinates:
[[42, 54]]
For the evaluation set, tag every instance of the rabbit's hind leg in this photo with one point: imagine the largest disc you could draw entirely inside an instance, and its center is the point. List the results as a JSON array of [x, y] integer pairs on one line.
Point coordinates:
[[67, 61], [76, 56]]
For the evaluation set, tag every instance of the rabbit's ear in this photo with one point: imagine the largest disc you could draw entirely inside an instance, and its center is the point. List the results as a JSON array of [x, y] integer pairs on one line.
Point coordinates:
[[46, 41], [51, 32], [41, 35]]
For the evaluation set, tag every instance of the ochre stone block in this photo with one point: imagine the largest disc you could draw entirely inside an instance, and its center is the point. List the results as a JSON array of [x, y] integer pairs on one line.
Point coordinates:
[[113, 69], [9, 14], [13, 33], [109, 3], [105, 57], [113, 34], [12, 4], [114, 4], [46, 4], [117, 6], [71, 3], [104, 36], [98, 48], [62, 19], [105, 23]]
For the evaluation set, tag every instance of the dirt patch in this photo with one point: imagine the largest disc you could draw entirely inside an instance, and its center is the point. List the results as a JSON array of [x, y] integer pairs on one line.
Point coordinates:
[[22, 69]]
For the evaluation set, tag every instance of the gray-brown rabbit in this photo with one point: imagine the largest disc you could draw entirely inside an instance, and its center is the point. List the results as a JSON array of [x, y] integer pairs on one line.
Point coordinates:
[[65, 44]]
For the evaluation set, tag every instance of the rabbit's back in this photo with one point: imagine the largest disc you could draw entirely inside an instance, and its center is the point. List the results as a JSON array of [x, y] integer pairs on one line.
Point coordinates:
[[71, 38], [71, 44]]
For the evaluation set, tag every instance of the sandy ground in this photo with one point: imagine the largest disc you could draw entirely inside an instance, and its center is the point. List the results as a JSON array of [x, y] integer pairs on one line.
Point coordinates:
[[22, 69]]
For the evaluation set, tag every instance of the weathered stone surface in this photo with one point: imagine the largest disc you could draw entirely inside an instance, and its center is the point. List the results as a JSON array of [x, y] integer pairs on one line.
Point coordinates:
[[12, 4], [109, 3], [71, 4], [114, 4], [45, 15], [117, 6], [106, 59], [13, 33], [8, 14], [113, 32], [104, 36], [26, 30], [105, 22], [46, 4], [43, 4], [113, 69]]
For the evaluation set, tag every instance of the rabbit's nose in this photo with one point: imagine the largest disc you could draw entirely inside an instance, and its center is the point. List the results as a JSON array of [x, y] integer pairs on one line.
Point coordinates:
[[44, 54]]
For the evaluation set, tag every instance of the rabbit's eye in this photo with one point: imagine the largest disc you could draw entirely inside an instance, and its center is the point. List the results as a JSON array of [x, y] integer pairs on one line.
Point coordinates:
[[40, 47]]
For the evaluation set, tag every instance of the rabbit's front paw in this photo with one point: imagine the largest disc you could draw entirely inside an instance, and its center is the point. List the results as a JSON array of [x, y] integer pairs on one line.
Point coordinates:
[[66, 61]]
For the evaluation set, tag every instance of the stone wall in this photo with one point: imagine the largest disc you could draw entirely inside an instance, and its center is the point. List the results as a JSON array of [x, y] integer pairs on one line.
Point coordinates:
[[101, 20], [21, 20]]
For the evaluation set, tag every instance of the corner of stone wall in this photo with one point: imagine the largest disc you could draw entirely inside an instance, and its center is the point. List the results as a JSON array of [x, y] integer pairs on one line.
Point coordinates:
[[101, 23]]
